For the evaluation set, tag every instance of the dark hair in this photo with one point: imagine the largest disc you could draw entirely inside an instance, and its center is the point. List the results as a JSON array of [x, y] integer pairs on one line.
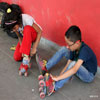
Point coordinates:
[[4, 6], [11, 23], [73, 33], [13, 13], [16, 8]]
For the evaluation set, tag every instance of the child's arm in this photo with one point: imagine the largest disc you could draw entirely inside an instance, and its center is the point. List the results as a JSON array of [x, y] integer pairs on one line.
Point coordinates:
[[19, 37], [68, 62], [39, 32], [70, 72]]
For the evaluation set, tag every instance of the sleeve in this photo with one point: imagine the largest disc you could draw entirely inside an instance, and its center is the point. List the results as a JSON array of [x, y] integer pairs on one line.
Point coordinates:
[[27, 20], [85, 54]]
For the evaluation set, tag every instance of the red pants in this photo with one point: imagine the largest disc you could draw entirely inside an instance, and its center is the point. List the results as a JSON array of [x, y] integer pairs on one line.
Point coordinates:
[[29, 36]]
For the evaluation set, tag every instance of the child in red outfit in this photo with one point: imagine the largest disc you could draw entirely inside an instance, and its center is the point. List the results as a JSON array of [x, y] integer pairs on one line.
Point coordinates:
[[28, 32], [30, 36]]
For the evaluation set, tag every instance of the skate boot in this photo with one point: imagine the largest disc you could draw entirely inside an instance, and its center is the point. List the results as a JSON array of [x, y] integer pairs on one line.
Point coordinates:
[[42, 64], [23, 69], [24, 66], [46, 84], [50, 84]]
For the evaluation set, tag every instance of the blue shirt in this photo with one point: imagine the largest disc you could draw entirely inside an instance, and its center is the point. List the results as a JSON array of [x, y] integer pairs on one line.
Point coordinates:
[[88, 57]]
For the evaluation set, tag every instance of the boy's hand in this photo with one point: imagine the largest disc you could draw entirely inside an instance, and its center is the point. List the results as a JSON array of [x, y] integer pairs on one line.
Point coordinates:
[[55, 78]]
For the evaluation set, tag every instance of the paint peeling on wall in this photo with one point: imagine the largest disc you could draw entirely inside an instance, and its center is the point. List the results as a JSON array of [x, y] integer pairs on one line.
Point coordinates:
[[69, 20], [15, 1]]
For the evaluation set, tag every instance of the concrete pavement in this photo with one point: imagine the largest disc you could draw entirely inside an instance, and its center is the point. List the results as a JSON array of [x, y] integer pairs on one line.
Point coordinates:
[[15, 87]]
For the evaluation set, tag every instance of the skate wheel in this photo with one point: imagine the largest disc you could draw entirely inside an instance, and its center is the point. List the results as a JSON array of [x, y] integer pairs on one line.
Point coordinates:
[[25, 74], [42, 95], [20, 73], [41, 83], [40, 77], [40, 89]]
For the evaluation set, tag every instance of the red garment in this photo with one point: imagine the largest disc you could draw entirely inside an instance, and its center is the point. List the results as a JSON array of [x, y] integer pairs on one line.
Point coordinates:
[[23, 66], [29, 36]]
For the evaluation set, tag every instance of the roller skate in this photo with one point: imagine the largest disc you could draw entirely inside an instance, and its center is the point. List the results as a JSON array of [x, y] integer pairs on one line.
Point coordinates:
[[41, 64], [46, 85], [23, 70], [24, 67]]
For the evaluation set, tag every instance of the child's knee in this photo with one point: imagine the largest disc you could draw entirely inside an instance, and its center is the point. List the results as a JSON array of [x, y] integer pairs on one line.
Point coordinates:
[[63, 48], [17, 58]]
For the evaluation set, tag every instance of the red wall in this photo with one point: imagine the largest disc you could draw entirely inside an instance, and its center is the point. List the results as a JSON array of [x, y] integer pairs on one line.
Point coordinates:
[[55, 16]]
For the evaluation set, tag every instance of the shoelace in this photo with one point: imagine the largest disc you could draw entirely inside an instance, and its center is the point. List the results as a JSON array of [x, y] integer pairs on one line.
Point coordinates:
[[44, 62]]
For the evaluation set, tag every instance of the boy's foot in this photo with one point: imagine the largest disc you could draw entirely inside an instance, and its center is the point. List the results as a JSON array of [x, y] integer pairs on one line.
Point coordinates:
[[42, 64], [47, 85], [50, 84]]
